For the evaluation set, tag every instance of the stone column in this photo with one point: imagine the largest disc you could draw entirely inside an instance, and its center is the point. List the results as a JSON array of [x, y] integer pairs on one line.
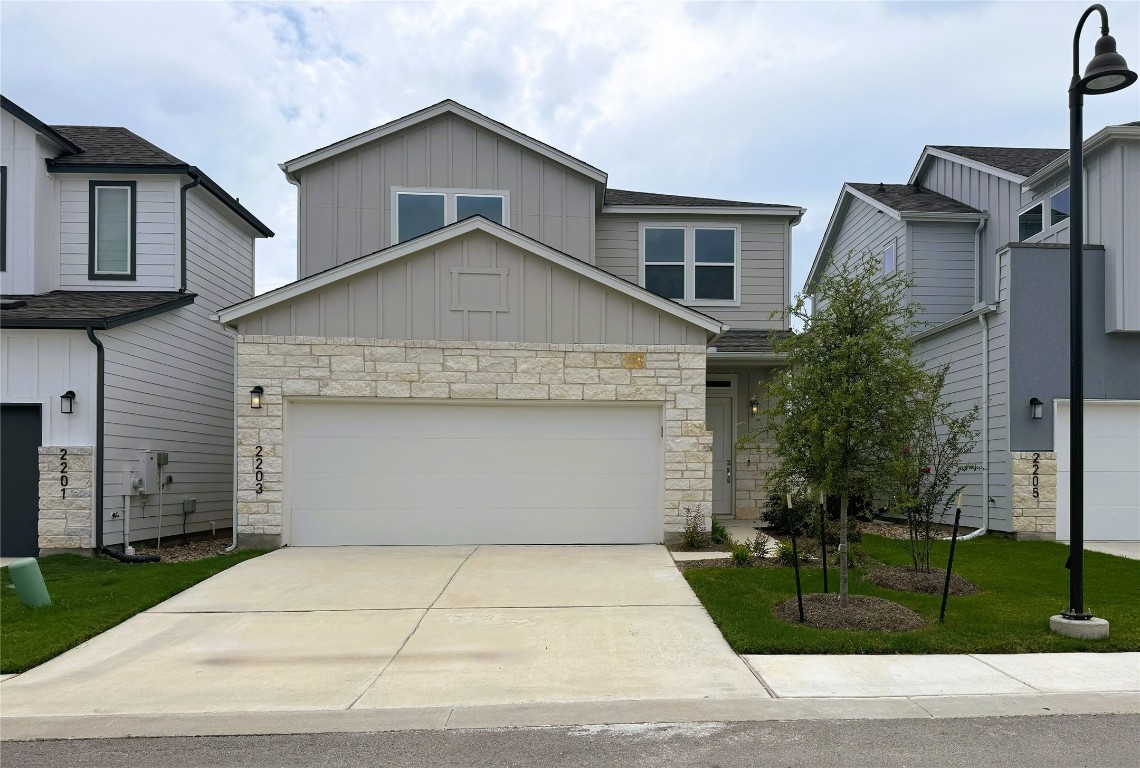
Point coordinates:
[[66, 514]]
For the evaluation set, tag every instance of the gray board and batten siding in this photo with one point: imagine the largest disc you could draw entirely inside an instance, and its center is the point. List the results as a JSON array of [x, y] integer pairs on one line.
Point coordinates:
[[765, 248], [346, 201], [473, 287], [1039, 341], [170, 386]]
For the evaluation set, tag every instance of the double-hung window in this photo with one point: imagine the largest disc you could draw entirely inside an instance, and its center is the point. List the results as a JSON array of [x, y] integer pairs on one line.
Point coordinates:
[[416, 212], [692, 263], [111, 238]]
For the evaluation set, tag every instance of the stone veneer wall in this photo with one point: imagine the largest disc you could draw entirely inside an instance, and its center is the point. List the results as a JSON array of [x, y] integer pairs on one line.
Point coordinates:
[[65, 520], [303, 366], [1035, 516], [752, 467]]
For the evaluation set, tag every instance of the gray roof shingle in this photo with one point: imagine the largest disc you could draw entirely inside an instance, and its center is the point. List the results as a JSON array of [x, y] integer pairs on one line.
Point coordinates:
[[111, 145], [745, 340], [912, 198], [82, 309], [629, 197], [1024, 161]]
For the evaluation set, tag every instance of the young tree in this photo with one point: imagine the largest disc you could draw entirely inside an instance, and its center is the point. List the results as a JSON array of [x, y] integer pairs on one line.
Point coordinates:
[[840, 413], [930, 465]]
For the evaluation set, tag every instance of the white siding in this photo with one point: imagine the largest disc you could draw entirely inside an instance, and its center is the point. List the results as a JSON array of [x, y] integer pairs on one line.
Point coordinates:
[[29, 228], [38, 367], [764, 248], [156, 234], [170, 385]]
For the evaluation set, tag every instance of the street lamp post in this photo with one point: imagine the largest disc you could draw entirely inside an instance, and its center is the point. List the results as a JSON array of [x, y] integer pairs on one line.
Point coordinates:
[[1107, 72]]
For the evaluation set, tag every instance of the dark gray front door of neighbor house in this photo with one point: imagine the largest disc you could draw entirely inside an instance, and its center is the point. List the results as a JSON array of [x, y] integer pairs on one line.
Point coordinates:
[[20, 433]]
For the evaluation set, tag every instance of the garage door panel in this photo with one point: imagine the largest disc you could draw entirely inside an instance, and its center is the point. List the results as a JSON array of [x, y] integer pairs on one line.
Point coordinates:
[[1111, 454], [443, 473], [488, 455]]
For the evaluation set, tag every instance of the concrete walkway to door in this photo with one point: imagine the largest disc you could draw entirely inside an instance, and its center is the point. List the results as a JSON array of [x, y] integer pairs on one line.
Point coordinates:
[[368, 628]]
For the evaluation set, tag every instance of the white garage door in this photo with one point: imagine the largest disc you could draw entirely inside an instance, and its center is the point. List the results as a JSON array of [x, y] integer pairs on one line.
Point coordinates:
[[1112, 471], [442, 473]]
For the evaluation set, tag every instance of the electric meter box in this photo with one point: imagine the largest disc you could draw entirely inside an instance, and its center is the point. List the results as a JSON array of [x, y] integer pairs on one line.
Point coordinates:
[[151, 461]]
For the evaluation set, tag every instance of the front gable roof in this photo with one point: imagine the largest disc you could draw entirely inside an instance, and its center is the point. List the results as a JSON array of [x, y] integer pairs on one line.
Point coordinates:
[[37, 125], [1009, 163], [446, 107], [475, 224], [1054, 171]]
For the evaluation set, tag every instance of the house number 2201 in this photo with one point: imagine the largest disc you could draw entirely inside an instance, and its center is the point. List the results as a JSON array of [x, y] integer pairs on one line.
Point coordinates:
[[1035, 480], [63, 473], [258, 475]]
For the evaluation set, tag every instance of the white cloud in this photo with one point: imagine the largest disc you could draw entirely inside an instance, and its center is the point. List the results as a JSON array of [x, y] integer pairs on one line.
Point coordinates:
[[760, 101]]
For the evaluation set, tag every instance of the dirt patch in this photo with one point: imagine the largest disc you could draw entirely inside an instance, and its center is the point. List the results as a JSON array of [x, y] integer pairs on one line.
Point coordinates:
[[863, 612], [898, 529], [726, 562], [708, 547], [175, 551], [904, 579]]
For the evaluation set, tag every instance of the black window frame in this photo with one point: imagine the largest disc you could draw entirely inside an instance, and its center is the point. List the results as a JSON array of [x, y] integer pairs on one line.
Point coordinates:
[[132, 226], [3, 218]]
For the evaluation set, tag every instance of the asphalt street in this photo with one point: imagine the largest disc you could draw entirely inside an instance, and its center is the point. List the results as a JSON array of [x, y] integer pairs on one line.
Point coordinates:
[[1036, 742]]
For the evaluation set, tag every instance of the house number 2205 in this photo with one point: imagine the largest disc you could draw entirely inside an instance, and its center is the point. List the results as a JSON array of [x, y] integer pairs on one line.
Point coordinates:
[[1035, 480], [258, 475]]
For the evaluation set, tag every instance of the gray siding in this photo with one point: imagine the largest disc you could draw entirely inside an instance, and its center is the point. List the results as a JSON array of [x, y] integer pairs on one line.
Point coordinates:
[[765, 244], [345, 202], [942, 267], [412, 298], [866, 230], [1000, 198], [170, 386], [156, 234]]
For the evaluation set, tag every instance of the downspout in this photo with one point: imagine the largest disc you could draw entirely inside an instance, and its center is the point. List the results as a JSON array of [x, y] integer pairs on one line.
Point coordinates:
[[97, 467], [182, 212], [984, 320], [234, 520]]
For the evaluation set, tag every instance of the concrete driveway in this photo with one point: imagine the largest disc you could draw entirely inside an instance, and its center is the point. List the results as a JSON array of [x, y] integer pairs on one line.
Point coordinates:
[[402, 627]]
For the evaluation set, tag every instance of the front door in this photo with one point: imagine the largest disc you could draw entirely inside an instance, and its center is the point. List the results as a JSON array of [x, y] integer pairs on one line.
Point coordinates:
[[20, 431], [718, 420]]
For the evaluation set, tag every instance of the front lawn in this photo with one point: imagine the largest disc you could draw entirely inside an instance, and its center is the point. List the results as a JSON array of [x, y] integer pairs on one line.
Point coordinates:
[[90, 596], [1023, 583]]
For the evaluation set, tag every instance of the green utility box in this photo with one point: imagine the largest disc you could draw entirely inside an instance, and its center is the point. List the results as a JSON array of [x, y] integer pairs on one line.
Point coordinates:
[[29, 582]]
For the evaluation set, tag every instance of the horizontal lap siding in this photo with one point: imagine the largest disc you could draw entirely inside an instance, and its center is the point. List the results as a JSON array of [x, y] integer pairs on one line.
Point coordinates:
[[170, 385], [156, 234], [764, 245], [412, 299], [865, 230], [942, 267], [346, 202]]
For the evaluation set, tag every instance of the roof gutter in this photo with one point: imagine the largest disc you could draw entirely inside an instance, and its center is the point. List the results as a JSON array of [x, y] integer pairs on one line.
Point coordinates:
[[182, 217], [97, 468], [745, 357]]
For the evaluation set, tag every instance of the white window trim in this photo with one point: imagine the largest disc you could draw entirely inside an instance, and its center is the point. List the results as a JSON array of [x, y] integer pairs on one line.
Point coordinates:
[[1049, 210], [893, 245], [689, 263], [130, 229], [449, 205]]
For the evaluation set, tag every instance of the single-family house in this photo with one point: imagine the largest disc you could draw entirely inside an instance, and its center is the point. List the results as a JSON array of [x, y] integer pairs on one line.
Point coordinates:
[[488, 344], [982, 232], [115, 382]]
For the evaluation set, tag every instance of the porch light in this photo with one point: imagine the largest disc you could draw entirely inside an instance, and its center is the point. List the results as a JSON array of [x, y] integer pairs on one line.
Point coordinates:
[[67, 402], [1035, 406], [755, 406], [255, 397]]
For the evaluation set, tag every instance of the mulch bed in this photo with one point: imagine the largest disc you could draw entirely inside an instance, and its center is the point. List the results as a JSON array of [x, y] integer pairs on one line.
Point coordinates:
[[863, 612], [726, 562], [898, 529], [175, 551], [904, 579], [709, 547]]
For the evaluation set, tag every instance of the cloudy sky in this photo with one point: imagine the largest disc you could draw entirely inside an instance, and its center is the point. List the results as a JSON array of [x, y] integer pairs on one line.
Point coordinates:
[[772, 102]]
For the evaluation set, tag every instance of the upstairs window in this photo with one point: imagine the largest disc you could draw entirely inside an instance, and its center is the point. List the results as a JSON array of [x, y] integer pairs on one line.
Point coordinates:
[[1031, 222], [3, 217], [417, 212], [691, 263], [1059, 207], [111, 237], [889, 258]]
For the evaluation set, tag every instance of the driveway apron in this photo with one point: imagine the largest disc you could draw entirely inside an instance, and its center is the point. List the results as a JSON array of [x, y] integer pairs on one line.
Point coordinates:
[[335, 628]]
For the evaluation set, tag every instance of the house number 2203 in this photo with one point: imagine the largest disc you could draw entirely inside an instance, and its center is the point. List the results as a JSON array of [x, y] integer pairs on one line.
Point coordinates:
[[1035, 480], [258, 475]]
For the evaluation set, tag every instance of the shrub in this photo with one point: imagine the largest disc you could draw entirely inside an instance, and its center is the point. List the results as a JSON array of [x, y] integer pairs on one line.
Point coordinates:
[[694, 535], [741, 555], [761, 545], [719, 533], [781, 519], [785, 554]]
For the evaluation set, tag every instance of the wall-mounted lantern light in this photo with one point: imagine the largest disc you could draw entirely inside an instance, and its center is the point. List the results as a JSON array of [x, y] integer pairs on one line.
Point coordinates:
[[755, 406], [67, 402], [255, 397], [1035, 407]]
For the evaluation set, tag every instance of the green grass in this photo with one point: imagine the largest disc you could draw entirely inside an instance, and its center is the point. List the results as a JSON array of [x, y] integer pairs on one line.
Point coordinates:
[[1023, 583], [90, 596]]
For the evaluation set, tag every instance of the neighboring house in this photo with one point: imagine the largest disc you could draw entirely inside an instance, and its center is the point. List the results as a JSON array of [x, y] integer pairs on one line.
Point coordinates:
[[116, 255], [983, 234], [487, 344]]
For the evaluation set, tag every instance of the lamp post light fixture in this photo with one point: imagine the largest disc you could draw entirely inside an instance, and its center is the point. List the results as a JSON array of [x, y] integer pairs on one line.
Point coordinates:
[[255, 396], [67, 402], [1035, 408], [1106, 72]]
